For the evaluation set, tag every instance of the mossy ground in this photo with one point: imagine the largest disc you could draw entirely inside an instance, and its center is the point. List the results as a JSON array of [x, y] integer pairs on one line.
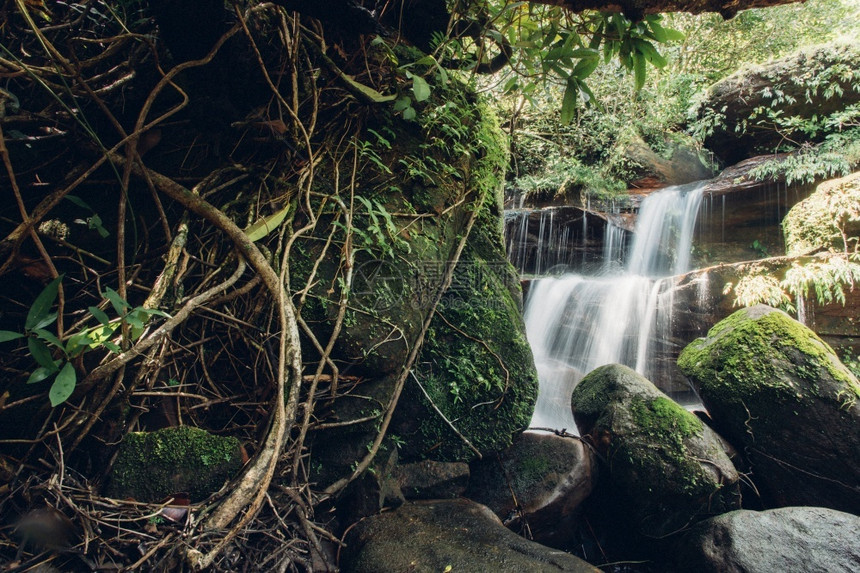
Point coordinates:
[[153, 465]]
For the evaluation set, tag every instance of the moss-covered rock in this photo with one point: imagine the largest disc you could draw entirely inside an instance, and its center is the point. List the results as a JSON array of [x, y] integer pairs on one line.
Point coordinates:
[[827, 219], [476, 366], [813, 83], [772, 386], [667, 466], [151, 466]]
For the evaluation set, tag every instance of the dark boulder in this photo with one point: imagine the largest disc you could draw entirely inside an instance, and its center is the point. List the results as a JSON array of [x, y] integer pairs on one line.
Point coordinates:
[[778, 391], [807, 539], [451, 535], [663, 462], [539, 482]]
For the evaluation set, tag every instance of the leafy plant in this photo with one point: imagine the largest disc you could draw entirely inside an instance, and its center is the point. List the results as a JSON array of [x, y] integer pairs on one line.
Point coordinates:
[[39, 340], [827, 276]]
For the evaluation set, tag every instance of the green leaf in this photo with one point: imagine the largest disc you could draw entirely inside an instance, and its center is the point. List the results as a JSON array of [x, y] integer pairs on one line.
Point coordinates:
[[420, 88], [99, 314], [658, 31], [95, 222], [402, 103], [119, 304], [112, 347], [42, 304], [49, 337], [40, 374], [409, 113], [584, 53], [7, 335], [152, 312], [585, 68], [568, 102], [41, 353], [78, 201], [134, 320], [650, 53], [674, 35], [64, 385], [639, 70], [45, 321], [266, 225]]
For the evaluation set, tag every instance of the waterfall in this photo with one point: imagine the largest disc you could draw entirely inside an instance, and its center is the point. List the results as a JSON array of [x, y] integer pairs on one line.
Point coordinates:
[[576, 322]]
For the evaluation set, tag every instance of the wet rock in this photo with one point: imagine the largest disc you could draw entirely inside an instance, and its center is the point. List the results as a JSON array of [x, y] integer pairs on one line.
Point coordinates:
[[808, 539], [540, 481], [669, 468], [679, 165], [451, 535], [429, 479], [778, 391], [151, 466], [555, 239]]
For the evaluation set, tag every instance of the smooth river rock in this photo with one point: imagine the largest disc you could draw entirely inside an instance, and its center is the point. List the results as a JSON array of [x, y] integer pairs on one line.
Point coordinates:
[[448, 535], [789, 539]]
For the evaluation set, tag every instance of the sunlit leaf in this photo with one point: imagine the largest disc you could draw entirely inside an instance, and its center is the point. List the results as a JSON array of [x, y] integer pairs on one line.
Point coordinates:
[[266, 225]]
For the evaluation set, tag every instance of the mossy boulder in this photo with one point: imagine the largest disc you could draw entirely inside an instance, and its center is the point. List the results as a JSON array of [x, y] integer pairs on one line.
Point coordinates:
[[539, 482], [827, 219], [776, 389], [664, 464], [476, 365], [808, 85], [151, 466], [448, 535]]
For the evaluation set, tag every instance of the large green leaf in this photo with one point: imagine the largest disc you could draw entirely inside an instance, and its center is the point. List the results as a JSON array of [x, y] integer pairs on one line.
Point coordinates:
[[7, 335], [639, 70], [568, 102], [39, 311], [41, 353], [420, 88], [40, 374], [64, 385], [119, 304]]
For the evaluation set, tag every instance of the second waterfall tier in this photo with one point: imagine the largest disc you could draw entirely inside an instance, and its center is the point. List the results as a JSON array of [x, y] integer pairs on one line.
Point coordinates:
[[577, 322]]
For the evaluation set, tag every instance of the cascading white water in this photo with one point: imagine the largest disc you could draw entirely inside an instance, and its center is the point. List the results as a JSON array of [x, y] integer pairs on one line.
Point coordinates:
[[576, 323]]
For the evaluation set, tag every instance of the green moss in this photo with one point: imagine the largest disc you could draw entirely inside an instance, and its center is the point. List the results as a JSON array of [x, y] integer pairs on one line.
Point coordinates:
[[739, 357], [665, 418], [153, 465]]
